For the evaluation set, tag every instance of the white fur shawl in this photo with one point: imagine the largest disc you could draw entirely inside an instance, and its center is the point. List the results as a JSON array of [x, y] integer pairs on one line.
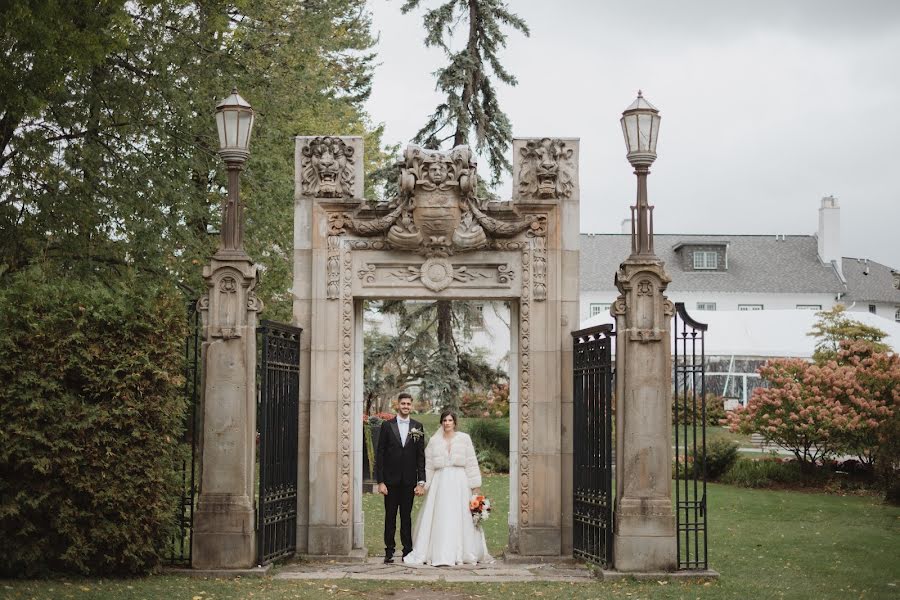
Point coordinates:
[[462, 454]]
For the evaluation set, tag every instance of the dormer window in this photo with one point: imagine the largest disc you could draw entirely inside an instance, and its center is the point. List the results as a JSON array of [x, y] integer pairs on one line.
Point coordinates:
[[705, 259]]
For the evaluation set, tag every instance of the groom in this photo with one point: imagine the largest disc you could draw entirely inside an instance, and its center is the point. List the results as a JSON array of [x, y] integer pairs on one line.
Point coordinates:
[[400, 472]]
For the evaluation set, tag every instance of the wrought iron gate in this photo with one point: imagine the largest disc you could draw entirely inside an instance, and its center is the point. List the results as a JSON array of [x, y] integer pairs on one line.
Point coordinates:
[[689, 414], [277, 421], [186, 453], [593, 444]]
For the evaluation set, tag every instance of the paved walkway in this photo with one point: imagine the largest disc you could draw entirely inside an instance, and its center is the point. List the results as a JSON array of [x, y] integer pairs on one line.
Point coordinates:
[[497, 572]]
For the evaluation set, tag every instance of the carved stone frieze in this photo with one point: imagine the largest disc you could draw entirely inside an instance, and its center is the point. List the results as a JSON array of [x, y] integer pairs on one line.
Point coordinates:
[[525, 392], [345, 382], [546, 169], [437, 274], [437, 213]]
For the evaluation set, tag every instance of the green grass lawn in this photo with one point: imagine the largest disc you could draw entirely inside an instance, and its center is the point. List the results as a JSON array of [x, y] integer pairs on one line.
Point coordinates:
[[766, 544]]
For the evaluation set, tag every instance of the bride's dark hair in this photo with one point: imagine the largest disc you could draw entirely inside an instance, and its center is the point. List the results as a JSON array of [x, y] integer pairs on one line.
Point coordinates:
[[452, 415]]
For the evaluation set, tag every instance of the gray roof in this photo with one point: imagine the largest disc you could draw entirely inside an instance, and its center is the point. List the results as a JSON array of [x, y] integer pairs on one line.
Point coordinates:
[[870, 281], [756, 263]]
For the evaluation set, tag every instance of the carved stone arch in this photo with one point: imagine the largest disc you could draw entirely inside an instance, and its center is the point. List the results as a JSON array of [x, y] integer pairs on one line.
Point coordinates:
[[436, 241]]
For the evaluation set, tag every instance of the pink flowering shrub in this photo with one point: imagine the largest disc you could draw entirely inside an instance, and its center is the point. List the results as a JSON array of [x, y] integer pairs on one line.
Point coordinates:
[[815, 410]]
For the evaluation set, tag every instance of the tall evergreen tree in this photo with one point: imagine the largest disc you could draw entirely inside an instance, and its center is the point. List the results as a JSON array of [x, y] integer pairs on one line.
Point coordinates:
[[471, 104], [469, 112]]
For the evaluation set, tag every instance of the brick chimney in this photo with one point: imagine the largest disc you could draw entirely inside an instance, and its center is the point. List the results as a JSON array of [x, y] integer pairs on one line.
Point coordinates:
[[829, 234]]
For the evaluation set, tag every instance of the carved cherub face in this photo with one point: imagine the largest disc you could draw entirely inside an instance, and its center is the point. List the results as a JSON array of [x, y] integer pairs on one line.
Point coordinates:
[[437, 172]]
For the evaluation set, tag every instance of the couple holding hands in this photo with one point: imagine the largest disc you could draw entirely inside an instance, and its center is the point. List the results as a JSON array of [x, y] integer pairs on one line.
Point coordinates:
[[446, 473]]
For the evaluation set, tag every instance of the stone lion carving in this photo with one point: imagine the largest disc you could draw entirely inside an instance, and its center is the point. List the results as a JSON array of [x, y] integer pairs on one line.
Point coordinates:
[[546, 170], [327, 168]]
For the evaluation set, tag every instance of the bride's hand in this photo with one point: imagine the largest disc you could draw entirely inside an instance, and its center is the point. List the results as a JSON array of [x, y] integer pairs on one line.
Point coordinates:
[[476, 491]]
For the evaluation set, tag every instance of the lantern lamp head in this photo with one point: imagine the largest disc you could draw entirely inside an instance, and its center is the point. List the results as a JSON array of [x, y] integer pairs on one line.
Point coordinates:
[[234, 119], [640, 125]]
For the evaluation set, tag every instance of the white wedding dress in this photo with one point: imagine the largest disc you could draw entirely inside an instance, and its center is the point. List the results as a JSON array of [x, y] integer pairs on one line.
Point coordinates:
[[444, 533]]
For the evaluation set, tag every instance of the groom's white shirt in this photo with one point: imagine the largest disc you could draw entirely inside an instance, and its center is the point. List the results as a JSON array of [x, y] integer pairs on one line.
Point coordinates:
[[404, 429]]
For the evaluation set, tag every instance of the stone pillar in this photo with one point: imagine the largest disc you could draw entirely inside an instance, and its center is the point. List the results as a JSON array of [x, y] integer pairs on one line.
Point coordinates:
[[644, 538], [329, 176], [546, 182], [225, 520]]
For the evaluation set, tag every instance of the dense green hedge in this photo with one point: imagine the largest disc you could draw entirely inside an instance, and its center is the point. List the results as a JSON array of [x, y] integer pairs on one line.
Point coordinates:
[[491, 440], [90, 412]]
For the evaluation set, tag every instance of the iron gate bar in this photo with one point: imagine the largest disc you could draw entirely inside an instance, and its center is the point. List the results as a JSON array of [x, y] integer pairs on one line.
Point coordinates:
[[278, 410], [592, 452], [690, 503], [181, 543]]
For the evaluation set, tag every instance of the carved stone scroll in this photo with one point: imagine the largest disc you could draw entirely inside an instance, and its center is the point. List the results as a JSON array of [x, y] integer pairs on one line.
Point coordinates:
[[333, 268]]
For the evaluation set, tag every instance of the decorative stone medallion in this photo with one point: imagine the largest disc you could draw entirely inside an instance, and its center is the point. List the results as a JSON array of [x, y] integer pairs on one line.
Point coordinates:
[[437, 274]]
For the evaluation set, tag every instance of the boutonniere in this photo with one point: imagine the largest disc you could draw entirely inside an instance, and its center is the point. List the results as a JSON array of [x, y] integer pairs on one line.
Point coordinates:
[[416, 433]]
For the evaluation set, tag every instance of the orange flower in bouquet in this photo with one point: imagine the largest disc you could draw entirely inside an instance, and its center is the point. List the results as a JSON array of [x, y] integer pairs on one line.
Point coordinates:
[[480, 507]]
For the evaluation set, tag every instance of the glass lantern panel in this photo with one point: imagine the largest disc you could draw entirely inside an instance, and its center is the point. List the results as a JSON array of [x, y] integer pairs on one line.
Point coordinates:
[[231, 127], [645, 124], [220, 125], [654, 133], [245, 124], [631, 132]]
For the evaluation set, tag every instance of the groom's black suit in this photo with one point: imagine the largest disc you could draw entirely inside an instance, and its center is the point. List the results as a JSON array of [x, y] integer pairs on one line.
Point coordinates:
[[400, 467]]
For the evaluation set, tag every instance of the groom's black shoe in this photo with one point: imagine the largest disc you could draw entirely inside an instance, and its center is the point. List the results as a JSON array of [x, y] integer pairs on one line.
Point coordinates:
[[388, 559]]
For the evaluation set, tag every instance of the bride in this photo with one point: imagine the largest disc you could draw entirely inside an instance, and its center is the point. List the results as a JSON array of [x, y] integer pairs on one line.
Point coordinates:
[[444, 533]]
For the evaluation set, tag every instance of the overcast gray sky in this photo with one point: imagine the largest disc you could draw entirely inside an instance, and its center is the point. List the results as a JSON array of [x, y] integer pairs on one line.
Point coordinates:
[[767, 105]]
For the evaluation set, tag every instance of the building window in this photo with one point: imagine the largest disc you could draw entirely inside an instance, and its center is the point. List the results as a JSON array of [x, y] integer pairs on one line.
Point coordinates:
[[809, 307], [706, 260], [478, 317], [750, 306], [897, 315], [872, 309], [706, 306], [601, 308]]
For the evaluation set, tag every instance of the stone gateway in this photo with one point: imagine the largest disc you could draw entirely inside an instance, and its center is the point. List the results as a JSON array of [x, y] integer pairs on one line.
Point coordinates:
[[437, 240]]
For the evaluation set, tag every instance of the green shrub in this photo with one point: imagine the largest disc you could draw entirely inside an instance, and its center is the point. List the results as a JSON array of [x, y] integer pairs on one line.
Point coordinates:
[[491, 440], [492, 460], [762, 473], [715, 410], [92, 411], [720, 455]]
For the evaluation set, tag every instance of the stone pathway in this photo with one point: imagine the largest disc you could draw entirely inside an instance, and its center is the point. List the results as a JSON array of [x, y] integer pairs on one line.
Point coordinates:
[[498, 572]]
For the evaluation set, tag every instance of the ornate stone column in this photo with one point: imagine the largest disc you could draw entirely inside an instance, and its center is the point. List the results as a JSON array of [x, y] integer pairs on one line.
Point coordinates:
[[644, 538], [546, 172], [225, 520]]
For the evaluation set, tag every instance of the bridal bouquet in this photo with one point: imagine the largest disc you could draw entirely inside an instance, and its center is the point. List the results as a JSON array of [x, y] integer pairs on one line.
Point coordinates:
[[480, 507]]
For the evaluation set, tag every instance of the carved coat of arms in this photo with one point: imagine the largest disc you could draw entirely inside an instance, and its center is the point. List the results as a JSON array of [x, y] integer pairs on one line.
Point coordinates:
[[437, 213]]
